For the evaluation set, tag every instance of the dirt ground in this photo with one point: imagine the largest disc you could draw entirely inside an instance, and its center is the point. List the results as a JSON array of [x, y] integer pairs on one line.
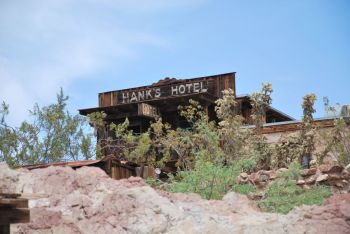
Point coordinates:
[[86, 200]]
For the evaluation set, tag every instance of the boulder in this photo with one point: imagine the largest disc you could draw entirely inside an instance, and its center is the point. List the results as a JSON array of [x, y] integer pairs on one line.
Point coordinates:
[[310, 179], [321, 178], [308, 172], [326, 168], [300, 182]]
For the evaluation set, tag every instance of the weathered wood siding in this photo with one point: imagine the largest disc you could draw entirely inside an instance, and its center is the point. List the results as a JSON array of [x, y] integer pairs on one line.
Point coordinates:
[[211, 85]]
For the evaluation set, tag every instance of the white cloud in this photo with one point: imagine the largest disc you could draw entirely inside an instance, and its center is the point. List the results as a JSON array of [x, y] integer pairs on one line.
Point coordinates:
[[45, 45]]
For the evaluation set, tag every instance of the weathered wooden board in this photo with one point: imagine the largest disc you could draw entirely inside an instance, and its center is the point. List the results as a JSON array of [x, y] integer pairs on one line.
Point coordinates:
[[14, 215], [212, 85], [10, 202], [12, 210], [148, 110]]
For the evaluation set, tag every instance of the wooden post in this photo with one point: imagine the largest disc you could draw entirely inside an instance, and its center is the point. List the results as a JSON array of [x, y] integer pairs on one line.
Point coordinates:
[[12, 210], [5, 229]]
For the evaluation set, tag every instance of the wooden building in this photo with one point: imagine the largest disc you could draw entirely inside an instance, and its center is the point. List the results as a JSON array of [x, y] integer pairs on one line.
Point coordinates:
[[116, 169], [142, 105]]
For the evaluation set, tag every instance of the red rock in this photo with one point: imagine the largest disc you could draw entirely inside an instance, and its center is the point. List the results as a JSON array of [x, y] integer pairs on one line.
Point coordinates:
[[325, 168], [308, 172], [339, 184], [310, 179], [334, 177], [336, 169], [338, 198], [321, 178], [243, 175], [345, 175], [300, 182], [272, 174], [241, 180], [253, 178]]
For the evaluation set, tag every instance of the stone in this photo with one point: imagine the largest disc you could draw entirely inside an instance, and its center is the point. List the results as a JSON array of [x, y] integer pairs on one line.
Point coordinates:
[[272, 174], [308, 172], [321, 178], [326, 168], [339, 184], [253, 178], [243, 175], [243, 178], [336, 169], [311, 179], [334, 176], [88, 201], [300, 182], [345, 175]]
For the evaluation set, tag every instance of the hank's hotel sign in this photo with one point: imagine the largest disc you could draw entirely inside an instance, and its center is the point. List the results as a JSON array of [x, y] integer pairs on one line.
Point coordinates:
[[165, 91]]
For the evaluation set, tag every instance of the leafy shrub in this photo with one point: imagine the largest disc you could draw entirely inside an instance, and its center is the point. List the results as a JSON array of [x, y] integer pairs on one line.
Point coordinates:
[[336, 142], [284, 194], [282, 197], [207, 179], [248, 165], [244, 188], [293, 172]]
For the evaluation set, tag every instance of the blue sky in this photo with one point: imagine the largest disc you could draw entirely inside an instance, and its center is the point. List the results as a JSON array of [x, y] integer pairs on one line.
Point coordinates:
[[91, 46]]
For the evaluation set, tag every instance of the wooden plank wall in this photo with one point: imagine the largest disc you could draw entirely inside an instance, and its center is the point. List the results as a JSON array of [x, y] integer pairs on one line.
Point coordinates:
[[121, 172], [295, 126]]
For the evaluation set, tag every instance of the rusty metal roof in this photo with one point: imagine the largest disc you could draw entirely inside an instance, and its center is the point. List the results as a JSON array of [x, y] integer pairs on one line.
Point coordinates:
[[75, 164], [62, 164]]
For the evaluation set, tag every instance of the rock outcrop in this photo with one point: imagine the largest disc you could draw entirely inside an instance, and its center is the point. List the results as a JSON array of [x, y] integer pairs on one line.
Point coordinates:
[[88, 201], [335, 176]]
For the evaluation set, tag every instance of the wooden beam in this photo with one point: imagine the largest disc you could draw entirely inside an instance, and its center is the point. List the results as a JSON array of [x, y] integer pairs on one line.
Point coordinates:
[[17, 215], [9, 202]]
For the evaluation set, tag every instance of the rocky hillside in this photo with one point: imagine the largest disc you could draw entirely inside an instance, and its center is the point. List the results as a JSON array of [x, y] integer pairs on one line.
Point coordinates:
[[88, 201]]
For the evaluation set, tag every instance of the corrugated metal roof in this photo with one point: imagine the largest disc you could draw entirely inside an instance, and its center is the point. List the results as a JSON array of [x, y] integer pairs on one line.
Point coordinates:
[[62, 164]]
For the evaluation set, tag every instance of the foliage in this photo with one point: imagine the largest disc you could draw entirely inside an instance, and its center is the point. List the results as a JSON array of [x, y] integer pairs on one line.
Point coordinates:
[[53, 135], [282, 197], [307, 132], [180, 142], [211, 181], [154, 183], [204, 138], [260, 102], [233, 138], [286, 152], [293, 172], [244, 188], [294, 148], [336, 142], [284, 194], [248, 165]]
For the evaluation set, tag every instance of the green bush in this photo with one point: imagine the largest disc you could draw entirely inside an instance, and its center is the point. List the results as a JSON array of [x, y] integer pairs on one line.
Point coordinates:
[[248, 165], [282, 196], [207, 179], [244, 188]]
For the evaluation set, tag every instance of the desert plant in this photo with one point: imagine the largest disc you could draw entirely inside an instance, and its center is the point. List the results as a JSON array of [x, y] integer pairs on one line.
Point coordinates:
[[233, 138], [211, 181], [284, 194], [336, 142], [260, 102], [52, 135], [300, 147]]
